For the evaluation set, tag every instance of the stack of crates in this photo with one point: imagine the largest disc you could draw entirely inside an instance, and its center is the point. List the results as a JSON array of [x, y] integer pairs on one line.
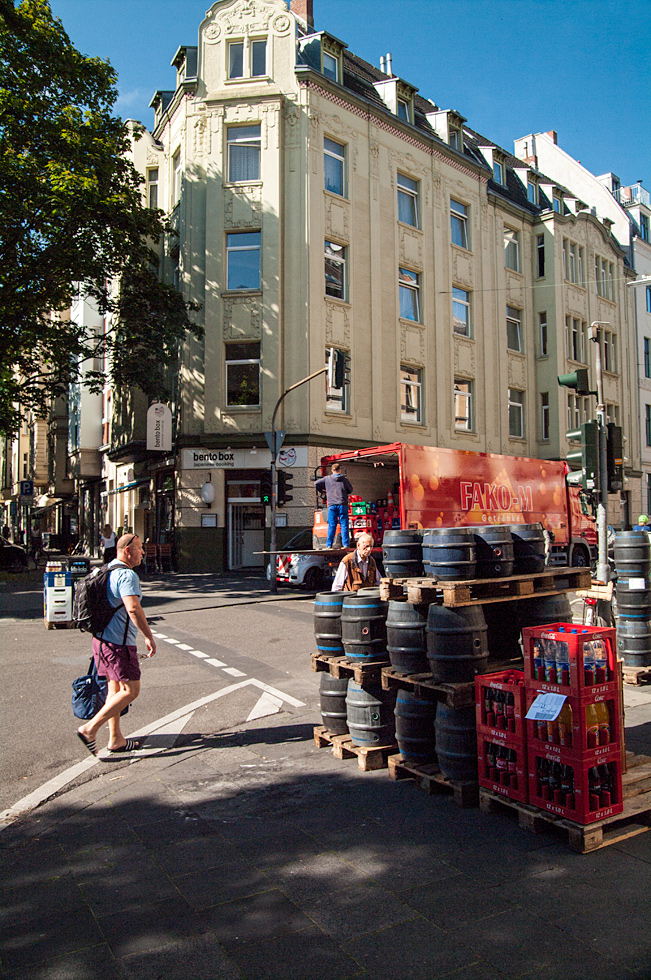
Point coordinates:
[[575, 762], [501, 733]]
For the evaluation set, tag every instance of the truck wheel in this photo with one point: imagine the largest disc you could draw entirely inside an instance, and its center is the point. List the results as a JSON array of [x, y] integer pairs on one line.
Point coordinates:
[[580, 558], [313, 579]]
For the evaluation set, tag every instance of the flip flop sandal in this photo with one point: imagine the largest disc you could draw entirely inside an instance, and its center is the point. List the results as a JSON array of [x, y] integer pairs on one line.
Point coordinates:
[[131, 746], [88, 742]]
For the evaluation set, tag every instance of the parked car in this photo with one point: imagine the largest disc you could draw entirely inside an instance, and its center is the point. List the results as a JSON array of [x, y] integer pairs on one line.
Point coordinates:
[[311, 571], [13, 557]]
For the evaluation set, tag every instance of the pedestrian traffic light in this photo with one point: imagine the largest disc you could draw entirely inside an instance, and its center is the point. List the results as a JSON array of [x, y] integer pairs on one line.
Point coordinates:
[[265, 488], [578, 380], [614, 457], [584, 460], [284, 486]]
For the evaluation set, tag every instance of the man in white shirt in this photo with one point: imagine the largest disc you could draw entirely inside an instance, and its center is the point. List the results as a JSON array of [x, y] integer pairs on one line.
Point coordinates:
[[357, 570]]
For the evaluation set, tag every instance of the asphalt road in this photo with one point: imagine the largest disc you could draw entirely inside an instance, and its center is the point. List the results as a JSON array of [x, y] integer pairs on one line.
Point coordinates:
[[242, 632]]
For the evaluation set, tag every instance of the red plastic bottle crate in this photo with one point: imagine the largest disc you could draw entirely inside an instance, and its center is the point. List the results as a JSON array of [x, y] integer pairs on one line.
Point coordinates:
[[506, 723], [502, 767], [581, 805], [581, 745], [575, 637]]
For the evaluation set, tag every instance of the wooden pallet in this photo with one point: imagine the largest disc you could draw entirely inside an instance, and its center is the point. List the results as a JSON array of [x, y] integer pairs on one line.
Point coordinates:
[[368, 759], [362, 671], [430, 780], [635, 818], [422, 685], [636, 675], [553, 581]]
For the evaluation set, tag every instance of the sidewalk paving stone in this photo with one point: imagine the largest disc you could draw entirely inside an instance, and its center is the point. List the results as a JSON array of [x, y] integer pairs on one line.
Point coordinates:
[[196, 958], [261, 916], [417, 949], [307, 955]]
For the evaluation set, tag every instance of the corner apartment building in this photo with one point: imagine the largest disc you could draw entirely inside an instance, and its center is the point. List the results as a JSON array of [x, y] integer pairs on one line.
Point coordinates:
[[322, 203]]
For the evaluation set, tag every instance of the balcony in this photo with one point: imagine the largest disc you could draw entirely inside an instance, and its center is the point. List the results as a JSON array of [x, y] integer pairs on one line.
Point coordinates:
[[635, 194]]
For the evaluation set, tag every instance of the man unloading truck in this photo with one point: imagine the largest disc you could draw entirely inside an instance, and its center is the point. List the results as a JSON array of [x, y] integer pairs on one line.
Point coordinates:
[[337, 488]]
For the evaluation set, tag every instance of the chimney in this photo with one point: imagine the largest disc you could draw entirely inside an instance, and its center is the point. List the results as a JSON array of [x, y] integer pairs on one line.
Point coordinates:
[[303, 9], [389, 63], [554, 136]]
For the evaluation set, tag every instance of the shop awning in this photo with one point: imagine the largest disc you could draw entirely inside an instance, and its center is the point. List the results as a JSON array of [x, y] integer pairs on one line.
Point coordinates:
[[45, 501], [128, 486]]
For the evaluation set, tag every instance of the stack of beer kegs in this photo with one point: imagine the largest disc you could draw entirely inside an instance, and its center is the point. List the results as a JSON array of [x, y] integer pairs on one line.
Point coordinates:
[[633, 593]]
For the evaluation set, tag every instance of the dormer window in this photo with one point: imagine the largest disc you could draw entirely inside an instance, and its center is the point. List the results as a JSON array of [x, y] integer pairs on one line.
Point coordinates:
[[331, 67], [532, 192], [455, 139], [498, 172], [558, 204], [403, 110], [247, 58]]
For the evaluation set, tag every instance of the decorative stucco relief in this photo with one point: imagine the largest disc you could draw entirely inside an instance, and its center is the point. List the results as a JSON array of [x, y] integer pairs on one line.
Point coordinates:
[[248, 17], [270, 129], [412, 344], [337, 219], [334, 124], [242, 318], [292, 128], [465, 358], [337, 326], [411, 248], [462, 268], [517, 371], [243, 206]]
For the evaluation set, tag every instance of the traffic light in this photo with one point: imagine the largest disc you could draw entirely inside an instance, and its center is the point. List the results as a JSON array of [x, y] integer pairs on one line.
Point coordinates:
[[578, 380], [265, 488], [284, 486], [584, 460], [614, 457]]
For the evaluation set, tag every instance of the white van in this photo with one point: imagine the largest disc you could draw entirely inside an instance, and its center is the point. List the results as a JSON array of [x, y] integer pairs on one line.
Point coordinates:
[[313, 572]]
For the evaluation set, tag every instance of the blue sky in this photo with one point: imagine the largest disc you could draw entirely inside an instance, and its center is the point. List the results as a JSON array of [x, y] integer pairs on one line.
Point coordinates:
[[512, 67]]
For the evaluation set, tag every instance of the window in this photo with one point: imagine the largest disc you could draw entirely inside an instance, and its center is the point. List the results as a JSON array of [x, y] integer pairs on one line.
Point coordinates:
[[459, 224], [243, 153], [514, 329], [542, 326], [648, 424], [532, 192], [612, 413], [461, 311], [498, 172], [644, 227], [337, 399], [575, 337], [512, 249], [578, 411], [152, 187], [236, 59], [410, 394], [463, 405], [581, 267], [573, 262], [335, 270], [454, 139], [242, 374], [258, 58], [604, 278], [597, 267], [544, 416], [330, 66], [243, 260], [647, 358], [334, 165], [177, 175], [516, 413], [403, 110], [566, 263], [540, 251], [409, 289], [558, 204], [648, 299], [407, 200], [247, 59], [610, 351]]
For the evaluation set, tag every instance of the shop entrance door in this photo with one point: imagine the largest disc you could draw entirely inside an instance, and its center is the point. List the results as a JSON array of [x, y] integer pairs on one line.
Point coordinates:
[[245, 536]]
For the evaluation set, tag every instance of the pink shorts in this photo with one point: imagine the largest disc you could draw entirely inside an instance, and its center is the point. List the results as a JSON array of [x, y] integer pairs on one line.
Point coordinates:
[[116, 662]]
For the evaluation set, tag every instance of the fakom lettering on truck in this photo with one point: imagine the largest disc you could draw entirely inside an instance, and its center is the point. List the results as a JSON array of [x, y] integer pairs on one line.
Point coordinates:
[[431, 487]]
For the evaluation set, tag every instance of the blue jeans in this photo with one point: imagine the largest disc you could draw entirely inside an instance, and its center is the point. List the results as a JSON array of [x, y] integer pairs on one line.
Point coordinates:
[[337, 513]]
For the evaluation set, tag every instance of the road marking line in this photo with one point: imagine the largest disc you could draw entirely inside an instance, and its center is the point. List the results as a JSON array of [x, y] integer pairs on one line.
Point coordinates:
[[159, 636], [48, 789], [198, 653], [184, 646], [266, 705], [233, 671], [216, 663], [170, 640]]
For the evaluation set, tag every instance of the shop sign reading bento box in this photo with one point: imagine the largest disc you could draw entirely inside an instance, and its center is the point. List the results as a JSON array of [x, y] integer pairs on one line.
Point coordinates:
[[241, 459]]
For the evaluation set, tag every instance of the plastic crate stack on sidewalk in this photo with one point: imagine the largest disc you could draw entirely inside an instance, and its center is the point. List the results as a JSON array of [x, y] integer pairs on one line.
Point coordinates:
[[575, 759]]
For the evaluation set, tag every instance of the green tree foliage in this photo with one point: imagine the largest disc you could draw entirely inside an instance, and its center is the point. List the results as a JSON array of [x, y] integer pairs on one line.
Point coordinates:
[[72, 216]]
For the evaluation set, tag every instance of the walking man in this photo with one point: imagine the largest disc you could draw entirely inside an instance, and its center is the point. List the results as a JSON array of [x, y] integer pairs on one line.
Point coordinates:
[[115, 652], [337, 487], [358, 569]]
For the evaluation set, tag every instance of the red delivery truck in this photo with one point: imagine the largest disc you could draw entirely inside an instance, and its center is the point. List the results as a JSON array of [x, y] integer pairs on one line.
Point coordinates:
[[426, 487]]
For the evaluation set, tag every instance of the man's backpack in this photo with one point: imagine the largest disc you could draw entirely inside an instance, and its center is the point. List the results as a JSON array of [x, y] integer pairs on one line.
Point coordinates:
[[91, 609]]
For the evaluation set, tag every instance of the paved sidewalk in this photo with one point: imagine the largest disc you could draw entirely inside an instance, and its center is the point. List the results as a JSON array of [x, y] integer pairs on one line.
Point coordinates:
[[253, 854]]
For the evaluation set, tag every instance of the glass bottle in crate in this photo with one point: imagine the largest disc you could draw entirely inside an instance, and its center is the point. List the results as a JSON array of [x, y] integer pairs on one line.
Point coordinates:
[[564, 725], [589, 663], [513, 768], [594, 788], [562, 662], [567, 787], [592, 725], [600, 660], [550, 661], [606, 792], [539, 659], [603, 717]]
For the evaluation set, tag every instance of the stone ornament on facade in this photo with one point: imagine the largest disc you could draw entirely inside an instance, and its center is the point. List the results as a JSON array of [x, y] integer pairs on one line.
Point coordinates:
[[247, 200], [252, 17], [464, 359], [412, 344], [251, 330]]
